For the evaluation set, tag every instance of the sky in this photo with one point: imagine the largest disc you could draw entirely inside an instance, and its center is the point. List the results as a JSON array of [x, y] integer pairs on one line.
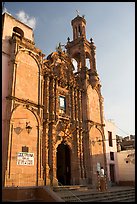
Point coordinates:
[[112, 28]]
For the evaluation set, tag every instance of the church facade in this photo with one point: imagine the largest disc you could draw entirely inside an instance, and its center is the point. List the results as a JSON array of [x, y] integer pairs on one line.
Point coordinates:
[[53, 120]]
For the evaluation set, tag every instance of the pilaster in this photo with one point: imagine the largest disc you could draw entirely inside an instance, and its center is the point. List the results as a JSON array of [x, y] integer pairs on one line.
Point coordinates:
[[52, 99], [72, 104], [46, 98], [52, 154]]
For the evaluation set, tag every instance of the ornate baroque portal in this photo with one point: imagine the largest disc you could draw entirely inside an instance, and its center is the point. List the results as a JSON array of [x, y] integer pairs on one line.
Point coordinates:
[[73, 113]]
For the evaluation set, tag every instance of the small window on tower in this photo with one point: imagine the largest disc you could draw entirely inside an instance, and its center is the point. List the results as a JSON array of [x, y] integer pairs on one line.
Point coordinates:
[[62, 104], [75, 65], [18, 31], [79, 30]]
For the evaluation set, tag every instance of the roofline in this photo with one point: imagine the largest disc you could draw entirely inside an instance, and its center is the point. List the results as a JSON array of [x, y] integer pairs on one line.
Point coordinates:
[[16, 19]]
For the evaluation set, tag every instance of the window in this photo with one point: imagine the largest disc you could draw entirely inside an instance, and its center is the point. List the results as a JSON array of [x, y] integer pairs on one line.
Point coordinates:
[[112, 173], [18, 31], [25, 149], [112, 156], [88, 63], [75, 64], [79, 31], [62, 104], [110, 138]]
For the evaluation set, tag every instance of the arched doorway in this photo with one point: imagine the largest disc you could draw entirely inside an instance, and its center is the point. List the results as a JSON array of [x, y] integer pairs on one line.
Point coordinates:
[[63, 164]]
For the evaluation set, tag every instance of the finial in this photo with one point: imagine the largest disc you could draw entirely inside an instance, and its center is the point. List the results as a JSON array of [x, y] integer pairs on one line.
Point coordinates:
[[91, 40], [77, 12], [59, 47], [68, 39]]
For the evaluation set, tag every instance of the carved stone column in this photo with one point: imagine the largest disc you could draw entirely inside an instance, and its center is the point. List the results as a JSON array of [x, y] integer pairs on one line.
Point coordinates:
[[46, 166], [52, 133], [40, 167], [101, 101], [93, 54], [76, 139], [69, 102], [83, 58], [54, 166], [46, 98], [78, 156], [80, 135], [72, 104], [80, 106], [46, 130], [42, 98], [81, 156], [52, 154], [37, 165], [79, 66], [76, 105], [75, 159], [52, 100], [56, 99]]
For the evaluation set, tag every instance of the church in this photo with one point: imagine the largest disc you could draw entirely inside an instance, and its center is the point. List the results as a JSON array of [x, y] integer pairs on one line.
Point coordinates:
[[52, 109]]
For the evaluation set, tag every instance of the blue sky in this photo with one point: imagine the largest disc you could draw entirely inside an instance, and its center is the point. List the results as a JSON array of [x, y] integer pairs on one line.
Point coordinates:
[[112, 27]]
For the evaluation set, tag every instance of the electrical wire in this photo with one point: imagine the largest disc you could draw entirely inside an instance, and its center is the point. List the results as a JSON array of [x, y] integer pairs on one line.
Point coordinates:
[[122, 130]]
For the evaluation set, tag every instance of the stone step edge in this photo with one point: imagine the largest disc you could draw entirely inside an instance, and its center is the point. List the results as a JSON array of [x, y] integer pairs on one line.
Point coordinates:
[[96, 196]]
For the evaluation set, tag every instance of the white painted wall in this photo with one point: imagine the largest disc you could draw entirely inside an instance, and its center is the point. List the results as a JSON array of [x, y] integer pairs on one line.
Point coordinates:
[[110, 126], [126, 170]]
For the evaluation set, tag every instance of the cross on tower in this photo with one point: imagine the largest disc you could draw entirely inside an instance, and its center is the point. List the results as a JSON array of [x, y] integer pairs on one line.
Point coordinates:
[[77, 12]]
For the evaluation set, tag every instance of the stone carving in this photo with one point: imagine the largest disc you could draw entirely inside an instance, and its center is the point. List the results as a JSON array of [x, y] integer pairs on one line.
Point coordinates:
[[93, 78], [18, 130], [61, 67]]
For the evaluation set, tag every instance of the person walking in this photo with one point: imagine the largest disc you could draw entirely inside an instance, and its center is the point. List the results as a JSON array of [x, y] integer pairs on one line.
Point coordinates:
[[98, 181], [102, 180]]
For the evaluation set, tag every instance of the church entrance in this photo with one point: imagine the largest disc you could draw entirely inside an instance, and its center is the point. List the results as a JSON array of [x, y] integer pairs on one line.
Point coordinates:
[[63, 164]]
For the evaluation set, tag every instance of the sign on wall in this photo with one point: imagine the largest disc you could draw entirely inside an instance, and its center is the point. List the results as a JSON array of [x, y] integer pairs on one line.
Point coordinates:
[[25, 158]]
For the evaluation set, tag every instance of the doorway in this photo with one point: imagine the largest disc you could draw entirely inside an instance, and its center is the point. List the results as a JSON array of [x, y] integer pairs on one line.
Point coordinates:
[[63, 164], [112, 173]]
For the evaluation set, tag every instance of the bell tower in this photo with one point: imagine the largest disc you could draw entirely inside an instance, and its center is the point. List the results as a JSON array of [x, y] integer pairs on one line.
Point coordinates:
[[78, 25], [83, 52], [80, 48]]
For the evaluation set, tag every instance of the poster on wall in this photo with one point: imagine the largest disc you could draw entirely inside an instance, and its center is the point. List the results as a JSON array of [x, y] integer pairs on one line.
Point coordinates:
[[25, 158]]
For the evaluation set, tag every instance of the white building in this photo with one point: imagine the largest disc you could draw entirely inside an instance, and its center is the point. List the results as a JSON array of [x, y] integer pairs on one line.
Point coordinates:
[[111, 151], [126, 163]]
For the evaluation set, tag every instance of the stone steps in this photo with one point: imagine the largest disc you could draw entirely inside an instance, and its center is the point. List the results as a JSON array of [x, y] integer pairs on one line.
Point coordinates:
[[117, 194], [74, 187], [84, 194]]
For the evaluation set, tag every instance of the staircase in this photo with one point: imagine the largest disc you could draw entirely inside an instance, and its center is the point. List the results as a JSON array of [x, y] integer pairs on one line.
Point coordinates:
[[83, 194]]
